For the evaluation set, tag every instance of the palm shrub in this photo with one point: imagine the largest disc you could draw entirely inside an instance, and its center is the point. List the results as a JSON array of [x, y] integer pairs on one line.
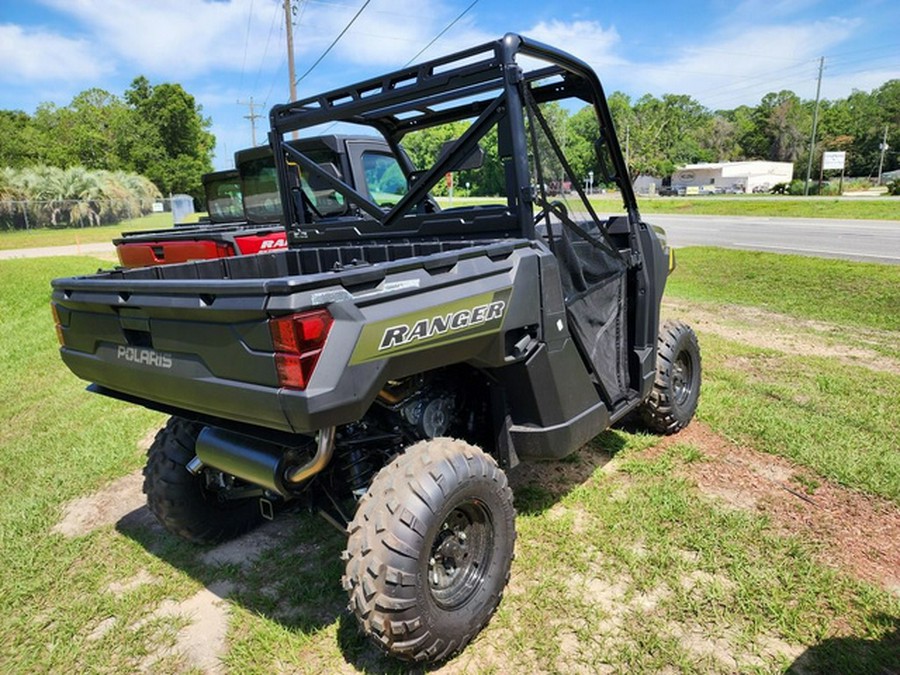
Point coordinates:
[[70, 197]]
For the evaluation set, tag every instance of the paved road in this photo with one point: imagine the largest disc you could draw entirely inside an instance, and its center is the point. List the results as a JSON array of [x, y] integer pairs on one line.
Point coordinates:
[[865, 240], [103, 248]]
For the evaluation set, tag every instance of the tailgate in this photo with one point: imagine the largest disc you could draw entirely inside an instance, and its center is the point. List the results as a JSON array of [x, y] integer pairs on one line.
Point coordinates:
[[203, 353], [205, 346]]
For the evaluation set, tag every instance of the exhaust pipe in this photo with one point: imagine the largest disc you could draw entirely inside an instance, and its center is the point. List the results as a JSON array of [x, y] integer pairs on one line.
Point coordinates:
[[324, 450], [261, 462]]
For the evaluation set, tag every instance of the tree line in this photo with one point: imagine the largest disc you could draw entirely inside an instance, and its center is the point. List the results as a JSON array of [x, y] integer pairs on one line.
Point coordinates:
[[659, 134], [157, 131]]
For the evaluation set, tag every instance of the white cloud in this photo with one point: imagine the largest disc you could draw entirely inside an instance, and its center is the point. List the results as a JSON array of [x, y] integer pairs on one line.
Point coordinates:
[[740, 65], [388, 33], [587, 40], [840, 85], [177, 37], [40, 55], [186, 38]]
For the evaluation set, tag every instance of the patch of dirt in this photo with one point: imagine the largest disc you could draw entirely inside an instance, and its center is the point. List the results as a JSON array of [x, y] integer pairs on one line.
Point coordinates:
[[558, 477], [108, 505], [860, 533], [143, 445], [721, 648], [770, 330], [120, 588], [105, 507], [247, 548], [202, 642], [102, 628]]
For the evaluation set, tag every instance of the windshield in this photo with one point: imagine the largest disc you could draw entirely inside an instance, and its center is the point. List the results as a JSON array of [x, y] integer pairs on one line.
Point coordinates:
[[262, 202], [384, 178], [224, 201]]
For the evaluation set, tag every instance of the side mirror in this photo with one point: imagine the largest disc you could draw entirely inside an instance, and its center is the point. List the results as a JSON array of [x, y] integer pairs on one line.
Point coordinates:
[[474, 160]]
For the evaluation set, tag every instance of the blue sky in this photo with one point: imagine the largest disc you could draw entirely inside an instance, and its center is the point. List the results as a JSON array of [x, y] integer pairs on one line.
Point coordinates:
[[722, 52]]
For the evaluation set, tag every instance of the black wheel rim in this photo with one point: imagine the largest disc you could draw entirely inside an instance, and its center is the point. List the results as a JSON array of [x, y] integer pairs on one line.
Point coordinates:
[[683, 377], [460, 554]]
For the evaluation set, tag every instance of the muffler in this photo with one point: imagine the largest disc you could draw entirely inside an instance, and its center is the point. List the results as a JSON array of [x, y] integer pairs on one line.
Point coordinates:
[[270, 465]]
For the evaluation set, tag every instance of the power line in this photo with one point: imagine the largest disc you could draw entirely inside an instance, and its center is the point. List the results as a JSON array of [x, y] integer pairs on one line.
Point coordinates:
[[383, 12], [876, 48], [334, 42], [246, 44], [751, 82], [701, 51], [266, 49], [438, 36]]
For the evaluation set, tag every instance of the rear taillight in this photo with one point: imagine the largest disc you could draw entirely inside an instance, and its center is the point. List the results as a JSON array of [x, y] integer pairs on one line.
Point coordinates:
[[298, 341], [56, 320]]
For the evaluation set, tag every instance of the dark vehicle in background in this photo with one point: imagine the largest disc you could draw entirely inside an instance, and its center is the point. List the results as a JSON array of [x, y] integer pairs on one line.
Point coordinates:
[[245, 211]]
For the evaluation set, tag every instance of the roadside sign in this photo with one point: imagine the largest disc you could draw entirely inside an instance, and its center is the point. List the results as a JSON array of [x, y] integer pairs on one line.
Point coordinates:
[[833, 160]]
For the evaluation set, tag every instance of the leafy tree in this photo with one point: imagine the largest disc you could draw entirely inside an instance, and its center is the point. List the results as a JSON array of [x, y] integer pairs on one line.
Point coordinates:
[[582, 130], [784, 120], [749, 133], [18, 134], [718, 140], [181, 147], [424, 146], [157, 131], [664, 133]]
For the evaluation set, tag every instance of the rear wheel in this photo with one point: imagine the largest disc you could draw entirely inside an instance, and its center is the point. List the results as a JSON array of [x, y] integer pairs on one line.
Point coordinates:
[[676, 389], [196, 508], [430, 550]]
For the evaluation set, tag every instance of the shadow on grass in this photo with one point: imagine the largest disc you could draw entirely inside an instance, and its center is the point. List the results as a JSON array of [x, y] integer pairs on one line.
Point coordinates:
[[537, 486], [853, 655], [289, 570]]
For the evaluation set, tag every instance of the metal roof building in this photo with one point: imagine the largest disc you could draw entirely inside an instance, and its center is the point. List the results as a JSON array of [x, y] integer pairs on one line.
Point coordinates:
[[752, 176]]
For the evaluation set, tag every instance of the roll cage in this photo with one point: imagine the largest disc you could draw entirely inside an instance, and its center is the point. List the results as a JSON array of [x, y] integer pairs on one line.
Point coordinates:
[[486, 83]]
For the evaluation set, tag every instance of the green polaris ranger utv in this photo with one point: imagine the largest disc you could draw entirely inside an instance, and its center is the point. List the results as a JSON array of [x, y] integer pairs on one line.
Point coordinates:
[[399, 356]]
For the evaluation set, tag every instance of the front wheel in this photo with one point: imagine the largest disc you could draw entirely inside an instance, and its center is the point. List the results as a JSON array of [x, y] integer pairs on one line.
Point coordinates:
[[430, 550], [676, 389]]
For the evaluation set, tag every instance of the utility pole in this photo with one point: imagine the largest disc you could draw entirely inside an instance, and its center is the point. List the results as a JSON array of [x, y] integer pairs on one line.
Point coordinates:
[[253, 116], [884, 149], [292, 77], [812, 139]]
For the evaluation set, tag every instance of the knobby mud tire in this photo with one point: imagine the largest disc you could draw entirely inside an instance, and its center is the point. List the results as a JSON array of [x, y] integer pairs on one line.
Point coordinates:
[[676, 389], [180, 500], [429, 550]]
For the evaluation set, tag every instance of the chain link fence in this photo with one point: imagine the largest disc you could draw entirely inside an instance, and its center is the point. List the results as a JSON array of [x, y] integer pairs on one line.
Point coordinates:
[[64, 213]]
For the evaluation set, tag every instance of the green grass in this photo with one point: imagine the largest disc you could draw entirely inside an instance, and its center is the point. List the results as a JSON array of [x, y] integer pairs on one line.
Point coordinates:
[[631, 570], [80, 235], [842, 422], [648, 563], [856, 208], [842, 292], [56, 442]]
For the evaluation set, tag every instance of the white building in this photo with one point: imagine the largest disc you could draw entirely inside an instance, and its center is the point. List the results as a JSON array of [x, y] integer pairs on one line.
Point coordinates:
[[647, 185], [755, 176]]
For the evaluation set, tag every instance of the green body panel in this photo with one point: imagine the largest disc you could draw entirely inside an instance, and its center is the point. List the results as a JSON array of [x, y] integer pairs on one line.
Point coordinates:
[[463, 319]]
